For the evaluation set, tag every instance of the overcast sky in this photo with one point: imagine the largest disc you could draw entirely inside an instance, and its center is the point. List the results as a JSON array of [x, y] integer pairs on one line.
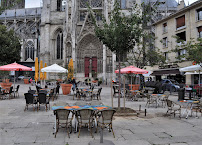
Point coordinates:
[[37, 3]]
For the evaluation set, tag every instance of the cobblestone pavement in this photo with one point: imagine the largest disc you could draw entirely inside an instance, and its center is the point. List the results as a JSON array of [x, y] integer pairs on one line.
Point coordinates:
[[31, 127]]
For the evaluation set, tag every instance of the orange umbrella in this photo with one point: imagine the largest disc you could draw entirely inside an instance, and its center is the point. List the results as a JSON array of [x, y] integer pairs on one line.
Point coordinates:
[[45, 72], [41, 73], [71, 69], [36, 77]]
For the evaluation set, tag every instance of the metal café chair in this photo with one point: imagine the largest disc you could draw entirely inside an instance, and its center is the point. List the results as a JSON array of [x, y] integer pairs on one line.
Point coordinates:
[[85, 117], [62, 118], [30, 100], [104, 119], [42, 99]]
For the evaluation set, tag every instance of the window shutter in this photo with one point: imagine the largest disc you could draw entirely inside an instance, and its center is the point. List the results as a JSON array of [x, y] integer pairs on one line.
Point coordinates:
[[199, 29], [165, 24], [180, 21]]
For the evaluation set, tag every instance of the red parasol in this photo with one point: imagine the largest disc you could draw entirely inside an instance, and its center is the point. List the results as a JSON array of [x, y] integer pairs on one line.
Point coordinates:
[[131, 69], [15, 67]]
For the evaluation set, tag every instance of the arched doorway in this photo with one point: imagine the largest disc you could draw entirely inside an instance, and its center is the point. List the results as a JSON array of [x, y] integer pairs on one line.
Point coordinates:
[[90, 56]]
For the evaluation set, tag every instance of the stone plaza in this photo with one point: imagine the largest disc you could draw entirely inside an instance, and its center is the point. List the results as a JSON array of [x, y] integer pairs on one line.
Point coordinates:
[[31, 127]]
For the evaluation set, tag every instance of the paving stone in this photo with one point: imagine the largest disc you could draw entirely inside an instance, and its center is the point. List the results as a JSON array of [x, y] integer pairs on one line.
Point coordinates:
[[31, 127]]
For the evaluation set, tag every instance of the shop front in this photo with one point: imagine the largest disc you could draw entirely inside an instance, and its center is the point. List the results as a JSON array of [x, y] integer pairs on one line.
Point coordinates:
[[170, 73]]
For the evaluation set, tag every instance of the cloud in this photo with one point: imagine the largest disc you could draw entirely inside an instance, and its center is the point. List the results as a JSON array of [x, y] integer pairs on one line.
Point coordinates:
[[32, 3]]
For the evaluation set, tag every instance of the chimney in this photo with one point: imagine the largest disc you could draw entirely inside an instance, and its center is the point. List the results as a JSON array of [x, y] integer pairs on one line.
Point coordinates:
[[181, 5]]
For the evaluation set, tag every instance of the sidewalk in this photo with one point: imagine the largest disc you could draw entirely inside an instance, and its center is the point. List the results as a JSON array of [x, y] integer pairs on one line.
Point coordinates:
[[29, 127]]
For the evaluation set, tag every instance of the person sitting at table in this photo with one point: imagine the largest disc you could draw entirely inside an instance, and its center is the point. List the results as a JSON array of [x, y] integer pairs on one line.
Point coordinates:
[[46, 88]]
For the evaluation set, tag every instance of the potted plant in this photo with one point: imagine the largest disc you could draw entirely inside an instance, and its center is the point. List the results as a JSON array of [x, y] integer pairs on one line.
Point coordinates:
[[99, 82], [26, 79], [66, 87], [5, 82]]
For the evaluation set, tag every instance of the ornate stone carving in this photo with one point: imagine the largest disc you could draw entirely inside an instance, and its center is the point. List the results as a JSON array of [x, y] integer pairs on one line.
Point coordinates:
[[89, 46]]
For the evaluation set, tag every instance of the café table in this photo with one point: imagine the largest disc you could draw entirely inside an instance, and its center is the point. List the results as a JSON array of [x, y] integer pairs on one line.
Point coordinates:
[[188, 105], [76, 108], [158, 97], [87, 91]]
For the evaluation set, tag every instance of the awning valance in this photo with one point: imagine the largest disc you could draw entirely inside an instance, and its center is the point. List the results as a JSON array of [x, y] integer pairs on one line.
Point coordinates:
[[165, 72]]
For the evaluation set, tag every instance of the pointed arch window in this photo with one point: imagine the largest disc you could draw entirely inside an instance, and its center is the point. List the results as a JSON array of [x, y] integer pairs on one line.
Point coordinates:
[[29, 50], [59, 46]]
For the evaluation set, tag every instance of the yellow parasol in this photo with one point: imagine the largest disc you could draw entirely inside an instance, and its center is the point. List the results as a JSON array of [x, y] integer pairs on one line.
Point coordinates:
[[44, 75], [36, 77], [71, 69], [41, 66]]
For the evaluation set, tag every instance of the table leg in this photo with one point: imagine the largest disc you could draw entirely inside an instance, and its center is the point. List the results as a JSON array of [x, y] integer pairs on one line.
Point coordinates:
[[189, 112], [55, 126], [75, 125], [185, 109]]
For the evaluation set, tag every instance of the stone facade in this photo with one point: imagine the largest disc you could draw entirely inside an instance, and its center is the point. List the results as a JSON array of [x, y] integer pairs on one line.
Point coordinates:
[[78, 40], [166, 28]]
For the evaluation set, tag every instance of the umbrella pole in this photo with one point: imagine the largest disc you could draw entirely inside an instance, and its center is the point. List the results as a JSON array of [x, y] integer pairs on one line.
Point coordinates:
[[111, 93], [131, 81], [124, 93], [14, 83], [199, 83]]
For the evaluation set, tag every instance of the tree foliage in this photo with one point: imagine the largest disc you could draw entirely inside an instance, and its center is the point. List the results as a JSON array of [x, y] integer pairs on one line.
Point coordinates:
[[192, 48], [9, 46], [123, 32], [7, 5]]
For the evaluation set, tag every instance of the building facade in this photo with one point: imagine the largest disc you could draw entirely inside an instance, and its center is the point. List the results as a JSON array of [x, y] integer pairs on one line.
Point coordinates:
[[67, 32], [186, 24], [62, 29]]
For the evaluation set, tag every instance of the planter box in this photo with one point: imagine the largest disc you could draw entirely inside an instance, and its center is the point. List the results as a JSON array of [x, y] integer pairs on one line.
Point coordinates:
[[6, 85], [26, 81], [66, 88], [134, 86]]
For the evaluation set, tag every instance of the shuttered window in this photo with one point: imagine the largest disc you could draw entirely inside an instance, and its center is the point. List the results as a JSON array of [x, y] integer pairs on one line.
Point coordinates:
[[165, 28], [199, 14], [200, 32], [180, 21]]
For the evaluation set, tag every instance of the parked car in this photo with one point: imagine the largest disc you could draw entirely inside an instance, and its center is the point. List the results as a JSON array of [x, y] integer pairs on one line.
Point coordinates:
[[21, 77], [170, 85]]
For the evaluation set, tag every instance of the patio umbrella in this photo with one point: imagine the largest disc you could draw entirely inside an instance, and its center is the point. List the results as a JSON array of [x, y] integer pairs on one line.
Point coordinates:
[[45, 72], [192, 68], [15, 67], [131, 70], [36, 77], [41, 73], [55, 68]]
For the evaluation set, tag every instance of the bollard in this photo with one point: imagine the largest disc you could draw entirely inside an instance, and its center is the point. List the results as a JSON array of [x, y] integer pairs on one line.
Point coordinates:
[[139, 107], [145, 112], [101, 135]]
